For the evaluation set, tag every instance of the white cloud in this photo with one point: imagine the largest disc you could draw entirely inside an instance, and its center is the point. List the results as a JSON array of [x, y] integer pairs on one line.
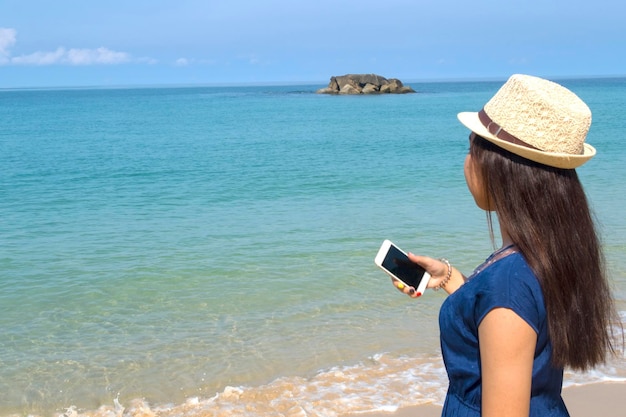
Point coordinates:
[[62, 56], [96, 56], [7, 40], [99, 56], [146, 60], [38, 58], [181, 62], [253, 59], [186, 62]]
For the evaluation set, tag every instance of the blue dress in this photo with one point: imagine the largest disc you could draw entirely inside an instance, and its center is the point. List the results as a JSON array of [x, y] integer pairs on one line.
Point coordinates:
[[501, 282]]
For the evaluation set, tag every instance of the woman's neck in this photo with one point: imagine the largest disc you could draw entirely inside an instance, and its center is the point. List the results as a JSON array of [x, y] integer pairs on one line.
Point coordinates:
[[506, 239]]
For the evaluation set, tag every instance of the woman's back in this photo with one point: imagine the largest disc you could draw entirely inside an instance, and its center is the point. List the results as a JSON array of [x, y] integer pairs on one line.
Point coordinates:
[[507, 282]]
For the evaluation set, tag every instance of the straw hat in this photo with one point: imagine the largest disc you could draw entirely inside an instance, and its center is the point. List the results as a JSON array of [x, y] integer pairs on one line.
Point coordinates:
[[536, 119]]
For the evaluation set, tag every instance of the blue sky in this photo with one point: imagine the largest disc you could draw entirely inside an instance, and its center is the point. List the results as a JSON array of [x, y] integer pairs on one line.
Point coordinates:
[[141, 42]]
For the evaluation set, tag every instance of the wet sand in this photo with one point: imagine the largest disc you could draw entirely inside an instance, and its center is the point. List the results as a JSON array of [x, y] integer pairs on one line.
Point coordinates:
[[603, 399]]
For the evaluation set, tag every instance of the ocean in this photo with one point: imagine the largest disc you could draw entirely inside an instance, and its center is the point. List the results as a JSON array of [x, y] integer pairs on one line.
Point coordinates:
[[209, 250]]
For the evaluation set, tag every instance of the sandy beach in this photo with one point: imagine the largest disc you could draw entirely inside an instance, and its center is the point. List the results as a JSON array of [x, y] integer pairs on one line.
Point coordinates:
[[603, 399]]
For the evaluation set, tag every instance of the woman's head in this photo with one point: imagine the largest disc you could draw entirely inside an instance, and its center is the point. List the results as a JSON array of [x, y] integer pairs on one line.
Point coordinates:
[[525, 143], [475, 178], [544, 211], [525, 195]]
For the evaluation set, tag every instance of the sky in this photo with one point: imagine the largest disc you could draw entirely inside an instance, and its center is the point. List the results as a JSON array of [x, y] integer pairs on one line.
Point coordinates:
[[78, 43]]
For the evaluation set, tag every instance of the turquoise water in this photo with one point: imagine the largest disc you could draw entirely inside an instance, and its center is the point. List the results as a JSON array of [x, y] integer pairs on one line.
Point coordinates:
[[198, 250]]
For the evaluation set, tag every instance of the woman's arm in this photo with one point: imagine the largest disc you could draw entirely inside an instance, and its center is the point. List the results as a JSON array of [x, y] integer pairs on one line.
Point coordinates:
[[507, 348]]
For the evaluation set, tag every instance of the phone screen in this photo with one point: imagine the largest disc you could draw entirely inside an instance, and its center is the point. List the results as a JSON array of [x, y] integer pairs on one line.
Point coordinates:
[[402, 267]]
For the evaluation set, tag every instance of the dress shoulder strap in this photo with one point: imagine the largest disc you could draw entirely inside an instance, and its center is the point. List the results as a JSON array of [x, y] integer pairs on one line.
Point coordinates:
[[496, 256]]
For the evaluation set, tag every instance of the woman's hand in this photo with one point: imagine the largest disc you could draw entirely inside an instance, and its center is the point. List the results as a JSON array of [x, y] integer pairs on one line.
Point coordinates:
[[408, 290], [438, 271]]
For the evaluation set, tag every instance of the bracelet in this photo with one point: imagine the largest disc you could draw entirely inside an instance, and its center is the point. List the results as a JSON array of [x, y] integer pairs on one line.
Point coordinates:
[[447, 278]]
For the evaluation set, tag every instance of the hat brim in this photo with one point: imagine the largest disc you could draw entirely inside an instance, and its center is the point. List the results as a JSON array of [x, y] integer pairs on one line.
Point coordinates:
[[557, 160]]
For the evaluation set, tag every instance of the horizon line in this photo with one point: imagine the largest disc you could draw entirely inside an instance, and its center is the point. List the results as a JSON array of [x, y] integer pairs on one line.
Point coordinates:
[[234, 84]]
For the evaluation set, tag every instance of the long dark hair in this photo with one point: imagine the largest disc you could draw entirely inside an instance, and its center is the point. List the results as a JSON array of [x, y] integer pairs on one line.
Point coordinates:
[[545, 212]]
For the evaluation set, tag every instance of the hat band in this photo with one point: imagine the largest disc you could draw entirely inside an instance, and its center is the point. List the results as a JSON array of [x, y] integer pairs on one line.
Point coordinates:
[[496, 130]]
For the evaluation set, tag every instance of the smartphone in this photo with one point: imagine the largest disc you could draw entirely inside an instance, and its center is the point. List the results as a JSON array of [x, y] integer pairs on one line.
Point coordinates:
[[396, 263]]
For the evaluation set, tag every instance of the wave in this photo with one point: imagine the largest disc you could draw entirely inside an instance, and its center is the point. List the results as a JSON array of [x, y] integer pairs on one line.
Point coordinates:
[[380, 383]]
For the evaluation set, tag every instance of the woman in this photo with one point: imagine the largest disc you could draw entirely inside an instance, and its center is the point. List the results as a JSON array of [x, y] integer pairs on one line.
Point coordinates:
[[541, 302]]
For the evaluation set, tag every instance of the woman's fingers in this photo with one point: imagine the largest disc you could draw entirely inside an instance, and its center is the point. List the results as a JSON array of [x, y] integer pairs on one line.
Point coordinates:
[[405, 289]]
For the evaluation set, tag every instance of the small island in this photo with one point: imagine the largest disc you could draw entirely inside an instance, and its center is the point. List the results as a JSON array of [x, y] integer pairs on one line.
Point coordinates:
[[355, 84]]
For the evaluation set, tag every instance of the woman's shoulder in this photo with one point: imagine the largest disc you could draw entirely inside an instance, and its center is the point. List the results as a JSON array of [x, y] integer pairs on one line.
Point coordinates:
[[512, 268], [510, 283]]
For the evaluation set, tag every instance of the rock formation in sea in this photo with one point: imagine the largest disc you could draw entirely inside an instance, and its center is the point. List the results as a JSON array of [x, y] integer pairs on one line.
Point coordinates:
[[364, 84]]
